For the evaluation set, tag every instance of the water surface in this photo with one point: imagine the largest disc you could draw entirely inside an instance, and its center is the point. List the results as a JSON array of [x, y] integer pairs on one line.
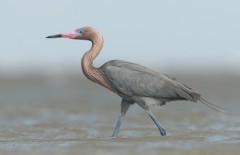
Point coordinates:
[[67, 114]]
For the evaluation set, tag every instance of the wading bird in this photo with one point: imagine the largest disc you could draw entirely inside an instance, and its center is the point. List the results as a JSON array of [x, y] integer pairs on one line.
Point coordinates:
[[132, 82]]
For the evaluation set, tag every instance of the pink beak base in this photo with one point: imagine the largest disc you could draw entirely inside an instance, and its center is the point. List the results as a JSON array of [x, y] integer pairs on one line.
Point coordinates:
[[70, 35]]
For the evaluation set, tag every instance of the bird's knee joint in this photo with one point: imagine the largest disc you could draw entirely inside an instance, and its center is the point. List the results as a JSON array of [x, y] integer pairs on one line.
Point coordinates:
[[144, 106]]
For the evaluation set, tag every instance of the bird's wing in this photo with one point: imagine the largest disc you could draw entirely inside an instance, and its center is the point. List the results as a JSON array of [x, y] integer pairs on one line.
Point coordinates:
[[133, 79]]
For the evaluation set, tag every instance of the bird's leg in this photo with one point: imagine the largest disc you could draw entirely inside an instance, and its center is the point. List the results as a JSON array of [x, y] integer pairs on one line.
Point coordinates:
[[124, 107], [142, 104], [117, 128], [162, 131]]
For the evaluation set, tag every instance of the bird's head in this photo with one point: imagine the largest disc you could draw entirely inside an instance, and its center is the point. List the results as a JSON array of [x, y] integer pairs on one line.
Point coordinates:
[[84, 33]]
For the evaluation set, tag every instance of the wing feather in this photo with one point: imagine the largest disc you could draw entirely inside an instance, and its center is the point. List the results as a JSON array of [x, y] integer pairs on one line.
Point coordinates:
[[133, 79]]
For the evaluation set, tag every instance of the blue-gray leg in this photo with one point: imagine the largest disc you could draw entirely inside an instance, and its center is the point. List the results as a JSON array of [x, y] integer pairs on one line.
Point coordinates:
[[124, 107], [162, 131], [117, 128], [142, 104]]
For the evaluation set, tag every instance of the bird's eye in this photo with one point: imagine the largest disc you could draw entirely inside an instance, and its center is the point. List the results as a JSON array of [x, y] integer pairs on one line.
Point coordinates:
[[81, 31]]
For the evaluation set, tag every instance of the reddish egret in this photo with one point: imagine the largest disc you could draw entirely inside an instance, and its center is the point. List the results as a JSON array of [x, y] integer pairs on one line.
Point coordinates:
[[132, 82]]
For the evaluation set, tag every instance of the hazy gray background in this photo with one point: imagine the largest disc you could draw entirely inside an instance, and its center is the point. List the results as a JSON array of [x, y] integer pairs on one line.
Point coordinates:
[[179, 35], [47, 106]]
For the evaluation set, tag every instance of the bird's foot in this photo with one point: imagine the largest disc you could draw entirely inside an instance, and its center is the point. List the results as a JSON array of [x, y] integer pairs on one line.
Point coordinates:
[[115, 134], [163, 132]]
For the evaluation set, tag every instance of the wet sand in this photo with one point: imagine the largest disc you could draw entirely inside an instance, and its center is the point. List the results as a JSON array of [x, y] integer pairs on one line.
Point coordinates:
[[67, 114]]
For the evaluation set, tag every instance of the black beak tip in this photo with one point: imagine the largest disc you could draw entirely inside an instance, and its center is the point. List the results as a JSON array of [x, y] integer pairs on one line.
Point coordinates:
[[55, 36]]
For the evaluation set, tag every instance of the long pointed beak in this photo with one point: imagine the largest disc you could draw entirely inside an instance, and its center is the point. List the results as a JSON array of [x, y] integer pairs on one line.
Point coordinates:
[[55, 36], [71, 35]]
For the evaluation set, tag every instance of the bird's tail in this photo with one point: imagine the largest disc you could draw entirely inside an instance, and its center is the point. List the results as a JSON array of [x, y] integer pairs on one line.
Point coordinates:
[[213, 106], [195, 97]]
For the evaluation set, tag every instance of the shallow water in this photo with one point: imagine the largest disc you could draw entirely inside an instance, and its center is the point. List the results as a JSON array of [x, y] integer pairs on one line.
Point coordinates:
[[67, 114]]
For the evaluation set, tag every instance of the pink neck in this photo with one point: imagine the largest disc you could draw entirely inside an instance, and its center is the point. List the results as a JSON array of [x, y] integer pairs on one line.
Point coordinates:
[[94, 74], [89, 56]]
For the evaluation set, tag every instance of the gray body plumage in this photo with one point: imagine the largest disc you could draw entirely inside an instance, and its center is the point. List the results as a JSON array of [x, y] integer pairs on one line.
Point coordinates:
[[137, 83]]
